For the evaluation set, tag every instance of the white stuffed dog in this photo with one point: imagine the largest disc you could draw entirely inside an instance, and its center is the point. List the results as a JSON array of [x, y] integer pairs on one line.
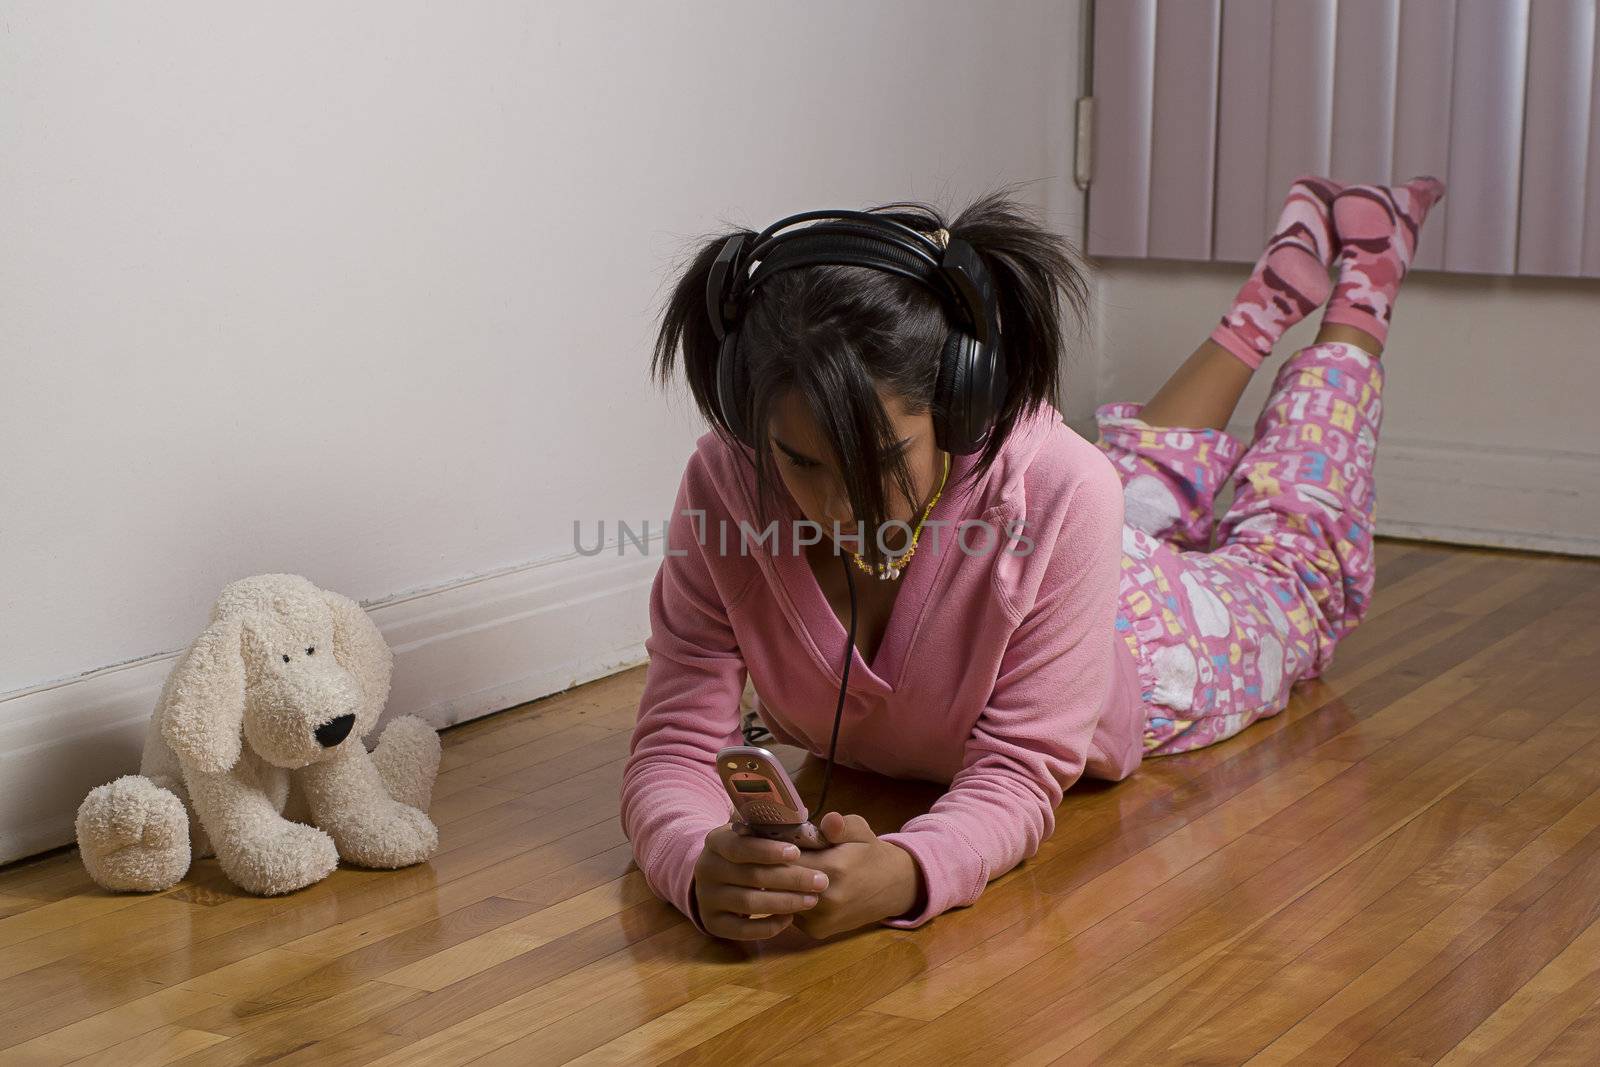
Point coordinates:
[[258, 732]]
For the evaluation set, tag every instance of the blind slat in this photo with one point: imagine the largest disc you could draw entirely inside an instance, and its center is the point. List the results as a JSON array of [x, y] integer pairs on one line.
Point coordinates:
[[1364, 88], [1422, 110], [1591, 213], [1300, 107], [1124, 70], [1486, 136], [1242, 92], [1184, 144], [1556, 140]]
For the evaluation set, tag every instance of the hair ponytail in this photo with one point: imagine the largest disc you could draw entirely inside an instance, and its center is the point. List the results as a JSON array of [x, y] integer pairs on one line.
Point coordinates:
[[1033, 270], [685, 325]]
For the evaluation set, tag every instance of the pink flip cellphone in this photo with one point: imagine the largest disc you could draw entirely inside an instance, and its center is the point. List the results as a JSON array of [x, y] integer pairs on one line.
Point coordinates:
[[764, 797]]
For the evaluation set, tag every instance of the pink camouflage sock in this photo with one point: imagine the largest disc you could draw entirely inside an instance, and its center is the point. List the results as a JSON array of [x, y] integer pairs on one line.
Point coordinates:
[[1377, 227], [1290, 279]]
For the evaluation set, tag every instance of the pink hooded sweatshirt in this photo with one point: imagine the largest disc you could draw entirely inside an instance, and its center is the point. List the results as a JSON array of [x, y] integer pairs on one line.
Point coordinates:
[[1000, 671]]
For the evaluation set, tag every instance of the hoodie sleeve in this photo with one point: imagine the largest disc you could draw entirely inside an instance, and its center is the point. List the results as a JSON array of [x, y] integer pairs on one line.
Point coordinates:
[[1033, 738], [689, 710]]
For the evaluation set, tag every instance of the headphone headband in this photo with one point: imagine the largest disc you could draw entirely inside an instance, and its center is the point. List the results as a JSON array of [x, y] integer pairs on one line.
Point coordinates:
[[874, 221], [880, 243]]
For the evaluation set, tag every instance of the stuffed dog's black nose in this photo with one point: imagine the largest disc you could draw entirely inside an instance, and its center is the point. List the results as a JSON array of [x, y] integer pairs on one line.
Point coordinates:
[[333, 731]]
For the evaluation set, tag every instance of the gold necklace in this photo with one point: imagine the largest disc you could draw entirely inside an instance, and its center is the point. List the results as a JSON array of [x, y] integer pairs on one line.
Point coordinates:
[[892, 571]]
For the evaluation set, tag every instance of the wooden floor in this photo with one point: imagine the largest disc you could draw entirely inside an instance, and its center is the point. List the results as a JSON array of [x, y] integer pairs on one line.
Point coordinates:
[[1403, 867]]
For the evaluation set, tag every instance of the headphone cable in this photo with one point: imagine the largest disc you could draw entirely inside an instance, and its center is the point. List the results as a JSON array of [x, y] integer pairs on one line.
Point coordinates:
[[849, 654]]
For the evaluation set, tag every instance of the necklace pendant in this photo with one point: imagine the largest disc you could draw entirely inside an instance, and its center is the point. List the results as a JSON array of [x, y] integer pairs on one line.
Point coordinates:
[[889, 574]]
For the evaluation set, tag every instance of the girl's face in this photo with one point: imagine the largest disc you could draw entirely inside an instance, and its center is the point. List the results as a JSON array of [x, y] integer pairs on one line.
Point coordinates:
[[806, 464]]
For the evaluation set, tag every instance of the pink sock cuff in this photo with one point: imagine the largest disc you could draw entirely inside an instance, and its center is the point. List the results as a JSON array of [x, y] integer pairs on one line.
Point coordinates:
[[1236, 346], [1348, 315]]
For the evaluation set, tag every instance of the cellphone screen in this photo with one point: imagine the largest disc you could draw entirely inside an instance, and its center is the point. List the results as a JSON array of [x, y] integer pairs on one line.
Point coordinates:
[[747, 785]]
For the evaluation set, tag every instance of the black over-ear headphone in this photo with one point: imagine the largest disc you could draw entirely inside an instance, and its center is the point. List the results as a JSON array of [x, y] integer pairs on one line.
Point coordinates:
[[971, 385]]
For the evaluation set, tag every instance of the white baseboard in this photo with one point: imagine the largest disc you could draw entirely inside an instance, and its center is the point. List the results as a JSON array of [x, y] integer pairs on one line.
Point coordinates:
[[1534, 499], [1468, 494], [462, 650]]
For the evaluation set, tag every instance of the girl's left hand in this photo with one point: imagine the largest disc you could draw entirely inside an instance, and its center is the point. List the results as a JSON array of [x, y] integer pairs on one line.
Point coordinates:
[[868, 878]]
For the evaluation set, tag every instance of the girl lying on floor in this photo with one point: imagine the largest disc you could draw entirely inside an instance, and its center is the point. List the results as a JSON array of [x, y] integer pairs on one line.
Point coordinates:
[[1120, 619]]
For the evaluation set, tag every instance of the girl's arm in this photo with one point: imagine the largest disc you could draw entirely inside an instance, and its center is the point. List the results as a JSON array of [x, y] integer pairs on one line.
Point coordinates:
[[671, 795], [1033, 738]]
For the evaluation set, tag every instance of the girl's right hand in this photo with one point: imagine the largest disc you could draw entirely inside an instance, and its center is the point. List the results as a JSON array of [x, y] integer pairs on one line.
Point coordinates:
[[738, 876]]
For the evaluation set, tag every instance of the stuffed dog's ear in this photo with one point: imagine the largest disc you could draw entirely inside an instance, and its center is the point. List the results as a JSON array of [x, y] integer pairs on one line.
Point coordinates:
[[203, 718], [359, 647]]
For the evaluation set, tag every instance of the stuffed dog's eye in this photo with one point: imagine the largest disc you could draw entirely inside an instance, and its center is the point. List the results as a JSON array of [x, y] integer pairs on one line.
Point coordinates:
[[312, 651], [286, 657]]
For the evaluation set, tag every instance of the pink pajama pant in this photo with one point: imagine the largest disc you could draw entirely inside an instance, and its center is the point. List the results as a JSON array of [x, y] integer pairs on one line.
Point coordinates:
[[1225, 614]]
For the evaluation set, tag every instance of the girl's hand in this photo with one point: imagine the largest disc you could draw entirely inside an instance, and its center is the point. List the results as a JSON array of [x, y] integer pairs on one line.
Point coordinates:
[[868, 878], [738, 876]]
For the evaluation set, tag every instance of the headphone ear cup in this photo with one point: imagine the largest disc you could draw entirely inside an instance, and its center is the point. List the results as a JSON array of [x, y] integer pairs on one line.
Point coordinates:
[[949, 397], [730, 391], [970, 390], [991, 368]]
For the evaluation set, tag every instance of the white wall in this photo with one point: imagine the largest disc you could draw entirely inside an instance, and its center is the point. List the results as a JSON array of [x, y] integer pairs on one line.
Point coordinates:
[[363, 291], [1489, 430]]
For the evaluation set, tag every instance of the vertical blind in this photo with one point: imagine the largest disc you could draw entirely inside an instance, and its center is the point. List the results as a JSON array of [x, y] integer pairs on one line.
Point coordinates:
[[1205, 112]]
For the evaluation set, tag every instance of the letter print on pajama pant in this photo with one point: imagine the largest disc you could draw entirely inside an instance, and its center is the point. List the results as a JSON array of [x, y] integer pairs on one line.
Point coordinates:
[[1224, 615]]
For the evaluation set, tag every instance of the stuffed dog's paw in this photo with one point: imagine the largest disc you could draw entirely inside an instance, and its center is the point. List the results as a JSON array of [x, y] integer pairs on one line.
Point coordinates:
[[133, 835], [407, 758], [283, 858], [386, 837]]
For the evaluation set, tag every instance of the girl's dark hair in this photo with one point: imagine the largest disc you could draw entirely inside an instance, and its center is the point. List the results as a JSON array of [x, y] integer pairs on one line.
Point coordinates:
[[836, 334]]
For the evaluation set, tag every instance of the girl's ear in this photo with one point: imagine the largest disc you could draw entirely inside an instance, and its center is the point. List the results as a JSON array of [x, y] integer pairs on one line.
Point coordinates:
[[359, 647], [202, 720]]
